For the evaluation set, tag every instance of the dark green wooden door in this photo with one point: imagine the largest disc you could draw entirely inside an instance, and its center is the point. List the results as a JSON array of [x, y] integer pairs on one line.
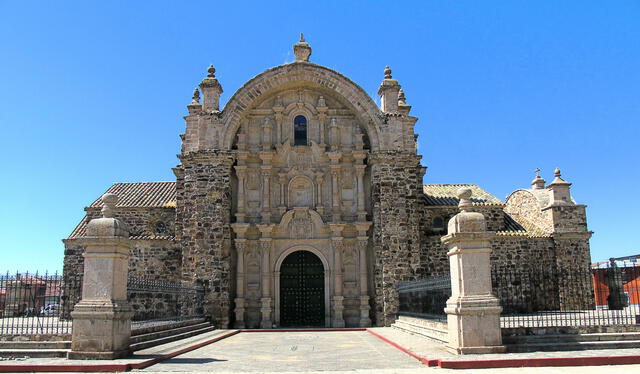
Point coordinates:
[[302, 290]]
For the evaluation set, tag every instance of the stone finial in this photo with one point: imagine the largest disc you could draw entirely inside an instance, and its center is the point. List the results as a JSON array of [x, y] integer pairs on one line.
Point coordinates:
[[561, 190], [464, 194], [211, 90], [389, 91], [387, 72], [558, 178], [466, 220], [538, 182], [302, 50], [402, 99], [108, 225], [109, 201], [195, 99]]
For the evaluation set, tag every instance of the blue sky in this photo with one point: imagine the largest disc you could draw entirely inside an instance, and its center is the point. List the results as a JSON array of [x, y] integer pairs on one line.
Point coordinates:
[[93, 93]]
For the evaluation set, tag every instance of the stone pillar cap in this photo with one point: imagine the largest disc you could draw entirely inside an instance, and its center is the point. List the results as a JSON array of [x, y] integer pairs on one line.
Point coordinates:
[[558, 179], [210, 80], [466, 221], [108, 225]]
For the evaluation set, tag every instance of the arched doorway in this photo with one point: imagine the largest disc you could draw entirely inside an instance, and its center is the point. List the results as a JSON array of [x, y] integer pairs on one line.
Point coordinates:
[[302, 290]]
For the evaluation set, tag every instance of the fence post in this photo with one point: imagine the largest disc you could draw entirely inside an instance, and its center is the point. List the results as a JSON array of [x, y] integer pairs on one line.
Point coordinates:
[[102, 318], [473, 312]]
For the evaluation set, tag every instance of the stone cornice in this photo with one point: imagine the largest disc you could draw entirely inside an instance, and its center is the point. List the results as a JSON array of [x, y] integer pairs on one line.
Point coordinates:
[[208, 155]]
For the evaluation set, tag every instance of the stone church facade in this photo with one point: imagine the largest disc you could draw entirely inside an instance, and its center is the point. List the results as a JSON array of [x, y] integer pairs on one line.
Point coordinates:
[[301, 203]]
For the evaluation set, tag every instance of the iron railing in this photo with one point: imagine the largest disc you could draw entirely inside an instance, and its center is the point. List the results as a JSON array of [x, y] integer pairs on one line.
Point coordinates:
[[560, 297], [425, 298], [34, 304], [156, 301]]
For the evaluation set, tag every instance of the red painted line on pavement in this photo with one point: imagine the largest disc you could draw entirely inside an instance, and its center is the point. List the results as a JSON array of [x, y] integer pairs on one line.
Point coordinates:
[[425, 361], [153, 361], [540, 362], [516, 362]]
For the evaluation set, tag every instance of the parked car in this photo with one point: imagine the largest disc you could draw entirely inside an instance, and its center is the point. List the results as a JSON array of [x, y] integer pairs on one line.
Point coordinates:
[[49, 310]]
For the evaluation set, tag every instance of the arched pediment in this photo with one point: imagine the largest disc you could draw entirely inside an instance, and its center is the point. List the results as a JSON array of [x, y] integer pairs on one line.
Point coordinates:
[[312, 75], [301, 223]]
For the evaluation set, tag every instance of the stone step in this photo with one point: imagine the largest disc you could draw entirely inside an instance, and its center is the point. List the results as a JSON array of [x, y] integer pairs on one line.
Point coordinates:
[[437, 324], [170, 338], [36, 353], [573, 346], [425, 331], [568, 338], [5, 345], [166, 332], [149, 327]]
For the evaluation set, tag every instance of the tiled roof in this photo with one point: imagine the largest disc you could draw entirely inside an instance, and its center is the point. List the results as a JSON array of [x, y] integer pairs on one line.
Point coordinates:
[[81, 230], [142, 195], [446, 195], [516, 225]]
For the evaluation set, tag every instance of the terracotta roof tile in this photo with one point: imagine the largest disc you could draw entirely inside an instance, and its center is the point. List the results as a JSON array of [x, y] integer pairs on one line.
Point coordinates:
[[142, 195], [446, 195]]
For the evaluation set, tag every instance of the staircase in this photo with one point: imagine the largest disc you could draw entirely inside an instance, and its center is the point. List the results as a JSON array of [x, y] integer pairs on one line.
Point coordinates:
[[431, 329], [572, 342], [20, 349], [141, 338]]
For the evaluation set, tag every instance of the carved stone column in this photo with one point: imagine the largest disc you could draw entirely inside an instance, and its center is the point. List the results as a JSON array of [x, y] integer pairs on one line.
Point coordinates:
[[266, 244], [362, 210], [334, 134], [102, 318], [338, 282], [282, 208], [322, 117], [319, 202], [241, 171], [277, 110], [266, 135], [365, 320], [266, 190], [473, 312], [241, 246], [335, 186]]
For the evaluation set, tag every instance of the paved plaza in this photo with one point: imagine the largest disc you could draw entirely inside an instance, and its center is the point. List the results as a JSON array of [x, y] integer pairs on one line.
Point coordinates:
[[335, 352], [292, 351]]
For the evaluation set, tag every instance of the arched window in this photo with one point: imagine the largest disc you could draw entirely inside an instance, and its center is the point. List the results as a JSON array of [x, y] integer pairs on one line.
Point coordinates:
[[300, 130]]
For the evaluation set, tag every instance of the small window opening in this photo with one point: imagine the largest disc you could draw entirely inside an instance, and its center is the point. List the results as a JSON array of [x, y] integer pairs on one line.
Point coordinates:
[[438, 223], [300, 130], [161, 228]]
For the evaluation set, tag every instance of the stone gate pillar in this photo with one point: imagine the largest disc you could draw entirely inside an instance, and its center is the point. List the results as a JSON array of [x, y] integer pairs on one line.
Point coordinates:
[[473, 313], [102, 318]]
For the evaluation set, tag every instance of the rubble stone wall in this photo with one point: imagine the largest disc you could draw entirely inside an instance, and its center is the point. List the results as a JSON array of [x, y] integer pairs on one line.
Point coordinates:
[[204, 210], [397, 215]]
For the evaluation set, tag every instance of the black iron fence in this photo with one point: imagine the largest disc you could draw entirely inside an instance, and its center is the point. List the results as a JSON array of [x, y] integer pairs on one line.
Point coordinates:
[[157, 301], [425, 298], [34, 304], [556, 297], [542, 296]]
